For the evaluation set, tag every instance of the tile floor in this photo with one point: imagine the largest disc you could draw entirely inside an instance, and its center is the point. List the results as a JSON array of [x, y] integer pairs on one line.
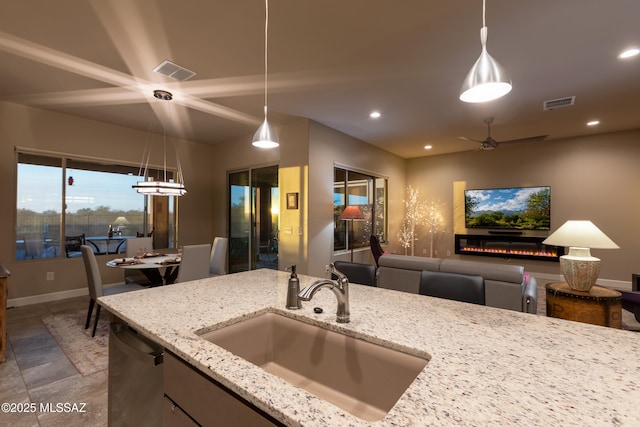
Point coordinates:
[[38, 371]]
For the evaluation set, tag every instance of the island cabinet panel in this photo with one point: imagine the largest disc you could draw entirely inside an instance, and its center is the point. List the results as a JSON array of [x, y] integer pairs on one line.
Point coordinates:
[[174, 416], [192, 397]]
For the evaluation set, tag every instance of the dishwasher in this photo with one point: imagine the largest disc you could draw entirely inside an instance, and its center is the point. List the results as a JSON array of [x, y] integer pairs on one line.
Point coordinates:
[[136, 386]]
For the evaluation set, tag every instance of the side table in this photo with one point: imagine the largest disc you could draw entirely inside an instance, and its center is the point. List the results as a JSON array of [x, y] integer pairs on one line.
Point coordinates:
[[599, 306]]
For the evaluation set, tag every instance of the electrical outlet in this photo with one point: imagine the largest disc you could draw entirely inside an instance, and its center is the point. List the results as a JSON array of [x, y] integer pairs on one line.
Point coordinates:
[[435, 252], [448, 253], [50, 275], [424, 252]]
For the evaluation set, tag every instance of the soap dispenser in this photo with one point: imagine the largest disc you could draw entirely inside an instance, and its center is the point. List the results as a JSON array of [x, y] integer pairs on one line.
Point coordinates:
[[293, 301]]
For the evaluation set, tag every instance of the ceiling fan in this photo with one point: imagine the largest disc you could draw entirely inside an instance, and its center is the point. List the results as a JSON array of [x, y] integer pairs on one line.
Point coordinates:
[[489, 143]]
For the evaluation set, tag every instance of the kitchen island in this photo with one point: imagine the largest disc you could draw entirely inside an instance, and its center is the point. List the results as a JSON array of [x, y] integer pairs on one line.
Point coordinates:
[[487, 366]]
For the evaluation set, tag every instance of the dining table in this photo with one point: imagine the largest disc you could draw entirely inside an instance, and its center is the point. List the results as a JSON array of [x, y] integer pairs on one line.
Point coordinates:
[[160, 269], [98, 241]]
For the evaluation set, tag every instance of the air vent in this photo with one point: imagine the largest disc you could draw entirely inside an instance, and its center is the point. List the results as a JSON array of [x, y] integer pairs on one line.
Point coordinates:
[[174, 71], [552, 104]]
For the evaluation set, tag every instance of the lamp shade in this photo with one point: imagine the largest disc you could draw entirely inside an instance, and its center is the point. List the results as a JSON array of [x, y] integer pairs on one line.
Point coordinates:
[[121, 221], [265, 136], [583, 234], [351, 213], [486, 80], [579, 268]]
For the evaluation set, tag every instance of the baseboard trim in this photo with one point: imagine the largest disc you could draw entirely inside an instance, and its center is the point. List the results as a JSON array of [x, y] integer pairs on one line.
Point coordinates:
[[53, 296], [39, 299]]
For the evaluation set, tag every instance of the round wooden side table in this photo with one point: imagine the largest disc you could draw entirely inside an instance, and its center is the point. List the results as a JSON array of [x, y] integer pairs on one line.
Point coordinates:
[[599, 306]]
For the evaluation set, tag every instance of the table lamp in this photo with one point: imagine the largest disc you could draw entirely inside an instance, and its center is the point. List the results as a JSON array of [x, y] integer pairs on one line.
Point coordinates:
[[580, 269], [351, 213]]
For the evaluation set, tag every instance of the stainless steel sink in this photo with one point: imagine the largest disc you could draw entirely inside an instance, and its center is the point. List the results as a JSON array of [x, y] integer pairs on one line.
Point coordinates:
[[363, 378]]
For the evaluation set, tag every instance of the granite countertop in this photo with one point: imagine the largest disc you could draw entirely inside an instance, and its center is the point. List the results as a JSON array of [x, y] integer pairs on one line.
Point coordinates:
[[488, 366]]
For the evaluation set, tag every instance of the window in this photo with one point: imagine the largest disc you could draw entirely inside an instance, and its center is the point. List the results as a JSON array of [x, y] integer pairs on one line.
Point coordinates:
[[63, 203], [367, 192], [254, 204], [39, 207]]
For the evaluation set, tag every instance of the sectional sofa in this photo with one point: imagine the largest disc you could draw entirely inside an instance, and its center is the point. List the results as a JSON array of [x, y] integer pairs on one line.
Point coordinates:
[[506, 286]]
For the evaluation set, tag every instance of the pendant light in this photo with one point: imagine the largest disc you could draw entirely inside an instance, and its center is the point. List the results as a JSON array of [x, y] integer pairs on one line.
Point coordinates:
[[160, 187], [265, 136], [486, 80]]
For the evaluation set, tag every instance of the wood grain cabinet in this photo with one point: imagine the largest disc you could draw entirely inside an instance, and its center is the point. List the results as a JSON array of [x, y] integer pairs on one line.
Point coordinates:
[[193, 399]]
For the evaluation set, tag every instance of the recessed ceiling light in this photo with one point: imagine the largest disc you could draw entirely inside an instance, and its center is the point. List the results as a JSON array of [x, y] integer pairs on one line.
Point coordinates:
[[593, 123], [428, 147], [375, 115], [629, 53]]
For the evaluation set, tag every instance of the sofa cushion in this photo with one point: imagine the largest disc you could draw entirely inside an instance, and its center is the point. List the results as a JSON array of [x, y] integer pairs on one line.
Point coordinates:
[[399, 279], [459, 287], [407, 262], [363, 274], [497, 272]]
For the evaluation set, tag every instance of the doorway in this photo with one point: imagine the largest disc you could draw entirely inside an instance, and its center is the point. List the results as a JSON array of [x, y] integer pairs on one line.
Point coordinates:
[[254, 215]]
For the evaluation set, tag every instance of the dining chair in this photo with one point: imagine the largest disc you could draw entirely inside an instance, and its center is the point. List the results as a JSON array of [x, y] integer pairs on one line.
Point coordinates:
[[376, 248], [131, 250], [195, 263], [136, 243], [72, 245], [218, 258], [96, 290], [34, 245]]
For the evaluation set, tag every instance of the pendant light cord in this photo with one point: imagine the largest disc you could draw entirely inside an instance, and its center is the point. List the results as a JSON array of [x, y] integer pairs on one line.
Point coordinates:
[[484, 8], [266, 56]]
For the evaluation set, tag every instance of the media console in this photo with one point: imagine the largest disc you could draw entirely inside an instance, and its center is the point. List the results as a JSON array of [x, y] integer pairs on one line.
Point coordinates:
[[507, 245]]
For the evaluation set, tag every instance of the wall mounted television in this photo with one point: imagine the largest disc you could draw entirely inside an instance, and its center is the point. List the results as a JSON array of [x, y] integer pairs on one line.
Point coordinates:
[[516, 208]]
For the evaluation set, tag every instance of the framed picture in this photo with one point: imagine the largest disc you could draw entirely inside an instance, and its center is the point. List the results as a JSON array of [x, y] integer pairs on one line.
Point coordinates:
[[292, 200]]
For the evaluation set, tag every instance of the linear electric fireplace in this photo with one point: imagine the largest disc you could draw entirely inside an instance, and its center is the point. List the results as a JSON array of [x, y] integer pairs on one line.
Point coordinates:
[[507, 246]]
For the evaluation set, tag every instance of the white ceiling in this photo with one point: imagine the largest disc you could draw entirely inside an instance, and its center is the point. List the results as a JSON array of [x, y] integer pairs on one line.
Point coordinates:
[[333, 61]]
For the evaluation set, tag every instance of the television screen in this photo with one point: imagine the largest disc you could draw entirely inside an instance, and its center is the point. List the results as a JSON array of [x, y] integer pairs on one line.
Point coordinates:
[[519, 208]]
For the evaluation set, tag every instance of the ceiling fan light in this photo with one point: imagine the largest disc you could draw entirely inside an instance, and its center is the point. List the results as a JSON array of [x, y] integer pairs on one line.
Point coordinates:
[[265, 136], [486, 80]]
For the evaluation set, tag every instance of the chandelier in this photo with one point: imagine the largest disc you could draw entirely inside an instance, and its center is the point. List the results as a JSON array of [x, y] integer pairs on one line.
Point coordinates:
[[158, 187]]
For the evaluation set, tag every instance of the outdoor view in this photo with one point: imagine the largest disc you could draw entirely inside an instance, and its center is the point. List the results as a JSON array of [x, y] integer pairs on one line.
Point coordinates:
[[366, 192], [95, 199], [512, 208]]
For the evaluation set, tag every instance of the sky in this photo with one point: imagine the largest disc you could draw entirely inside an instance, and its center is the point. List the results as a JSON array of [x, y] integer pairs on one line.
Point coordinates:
[[39, 189]]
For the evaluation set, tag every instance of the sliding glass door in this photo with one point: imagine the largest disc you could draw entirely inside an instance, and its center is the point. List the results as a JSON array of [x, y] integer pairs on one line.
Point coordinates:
[[253, 219]]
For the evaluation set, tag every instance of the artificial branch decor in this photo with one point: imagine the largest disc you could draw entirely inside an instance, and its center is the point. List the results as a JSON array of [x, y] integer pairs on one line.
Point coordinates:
[[435, 221], [413, 216], [406, 237], [416, 213]]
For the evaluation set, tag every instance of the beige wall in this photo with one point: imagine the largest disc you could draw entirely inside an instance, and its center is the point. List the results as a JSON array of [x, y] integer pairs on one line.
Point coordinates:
[[592, 178], [306, 156], [326, 148], [292, 158], [44, 130], [595, 178]]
